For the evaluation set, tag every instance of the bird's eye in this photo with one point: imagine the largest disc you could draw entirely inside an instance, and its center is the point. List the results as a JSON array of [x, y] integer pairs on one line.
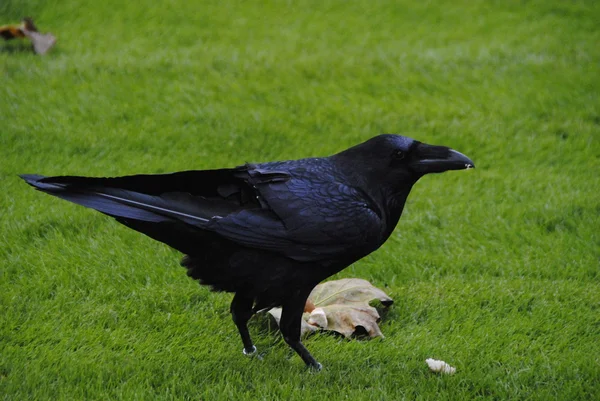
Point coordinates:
[[399, 155]]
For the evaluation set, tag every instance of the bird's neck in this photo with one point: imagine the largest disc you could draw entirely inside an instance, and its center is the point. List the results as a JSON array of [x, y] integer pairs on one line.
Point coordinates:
[[393, 205]]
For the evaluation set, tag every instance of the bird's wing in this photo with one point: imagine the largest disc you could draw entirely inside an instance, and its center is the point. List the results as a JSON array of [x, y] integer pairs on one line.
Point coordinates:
[[307, 216]]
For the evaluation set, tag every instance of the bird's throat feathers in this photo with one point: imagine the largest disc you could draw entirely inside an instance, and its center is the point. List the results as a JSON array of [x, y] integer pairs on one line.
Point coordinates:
[[393, 204]]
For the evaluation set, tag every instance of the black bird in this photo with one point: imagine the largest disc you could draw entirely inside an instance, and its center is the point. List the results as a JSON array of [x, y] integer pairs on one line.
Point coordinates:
[[269, 232]]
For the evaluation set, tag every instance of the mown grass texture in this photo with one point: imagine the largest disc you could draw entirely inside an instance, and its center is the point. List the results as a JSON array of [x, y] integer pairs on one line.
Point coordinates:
[[494, 270]]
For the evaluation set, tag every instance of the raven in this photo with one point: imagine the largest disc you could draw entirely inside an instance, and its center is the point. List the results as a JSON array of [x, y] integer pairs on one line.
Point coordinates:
[[269, 232]]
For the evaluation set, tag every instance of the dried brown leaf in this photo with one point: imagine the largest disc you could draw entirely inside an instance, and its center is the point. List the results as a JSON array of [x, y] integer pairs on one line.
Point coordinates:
[[304, 329], [347, 291], [342, 306], [41, 42]]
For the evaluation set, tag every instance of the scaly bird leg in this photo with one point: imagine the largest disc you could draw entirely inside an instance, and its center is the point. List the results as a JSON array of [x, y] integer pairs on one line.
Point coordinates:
[[241, 311], [290, 324]]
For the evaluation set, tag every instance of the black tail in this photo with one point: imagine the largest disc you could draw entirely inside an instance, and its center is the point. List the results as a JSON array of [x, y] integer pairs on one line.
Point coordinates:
[[171, 208], [119, 202]]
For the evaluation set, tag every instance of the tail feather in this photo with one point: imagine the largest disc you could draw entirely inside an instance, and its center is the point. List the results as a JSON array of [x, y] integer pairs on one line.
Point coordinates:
[[124, 203]]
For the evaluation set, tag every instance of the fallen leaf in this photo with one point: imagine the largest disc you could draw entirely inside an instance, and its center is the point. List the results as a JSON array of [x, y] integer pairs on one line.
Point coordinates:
[[309, 307], [342, 306], [318, 318], [8, 32], [41, 42], [305, 328], [347, 291], [345, 319]]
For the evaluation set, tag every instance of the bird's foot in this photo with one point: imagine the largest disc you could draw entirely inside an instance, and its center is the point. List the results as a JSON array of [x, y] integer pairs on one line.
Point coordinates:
[[249, 351], [316, 367]]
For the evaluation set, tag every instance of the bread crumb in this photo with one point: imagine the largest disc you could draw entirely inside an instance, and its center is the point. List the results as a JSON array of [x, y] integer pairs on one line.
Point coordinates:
[[440, 366]]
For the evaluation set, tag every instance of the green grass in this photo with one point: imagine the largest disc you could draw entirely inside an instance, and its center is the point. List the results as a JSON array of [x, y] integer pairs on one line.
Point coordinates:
[[495, 270]]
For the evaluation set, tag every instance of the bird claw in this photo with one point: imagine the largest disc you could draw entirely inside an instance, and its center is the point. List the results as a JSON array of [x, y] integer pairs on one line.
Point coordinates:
[[249, 352], [316, 368]]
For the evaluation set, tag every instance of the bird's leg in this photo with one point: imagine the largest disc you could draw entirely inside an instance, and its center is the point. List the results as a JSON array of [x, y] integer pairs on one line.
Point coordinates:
[[241, 311], [290, 325]]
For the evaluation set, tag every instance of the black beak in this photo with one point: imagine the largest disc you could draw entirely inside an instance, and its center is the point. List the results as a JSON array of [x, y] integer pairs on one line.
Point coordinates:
[[437, 159]]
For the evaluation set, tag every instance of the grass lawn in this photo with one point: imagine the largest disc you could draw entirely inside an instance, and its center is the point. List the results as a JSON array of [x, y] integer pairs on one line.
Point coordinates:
[[494, 270]]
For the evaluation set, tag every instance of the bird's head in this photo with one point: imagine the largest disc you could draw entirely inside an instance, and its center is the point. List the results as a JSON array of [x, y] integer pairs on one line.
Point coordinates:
[[397, 162]]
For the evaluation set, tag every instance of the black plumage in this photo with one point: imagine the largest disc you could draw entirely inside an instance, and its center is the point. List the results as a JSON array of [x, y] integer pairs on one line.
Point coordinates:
[[269, 232]]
